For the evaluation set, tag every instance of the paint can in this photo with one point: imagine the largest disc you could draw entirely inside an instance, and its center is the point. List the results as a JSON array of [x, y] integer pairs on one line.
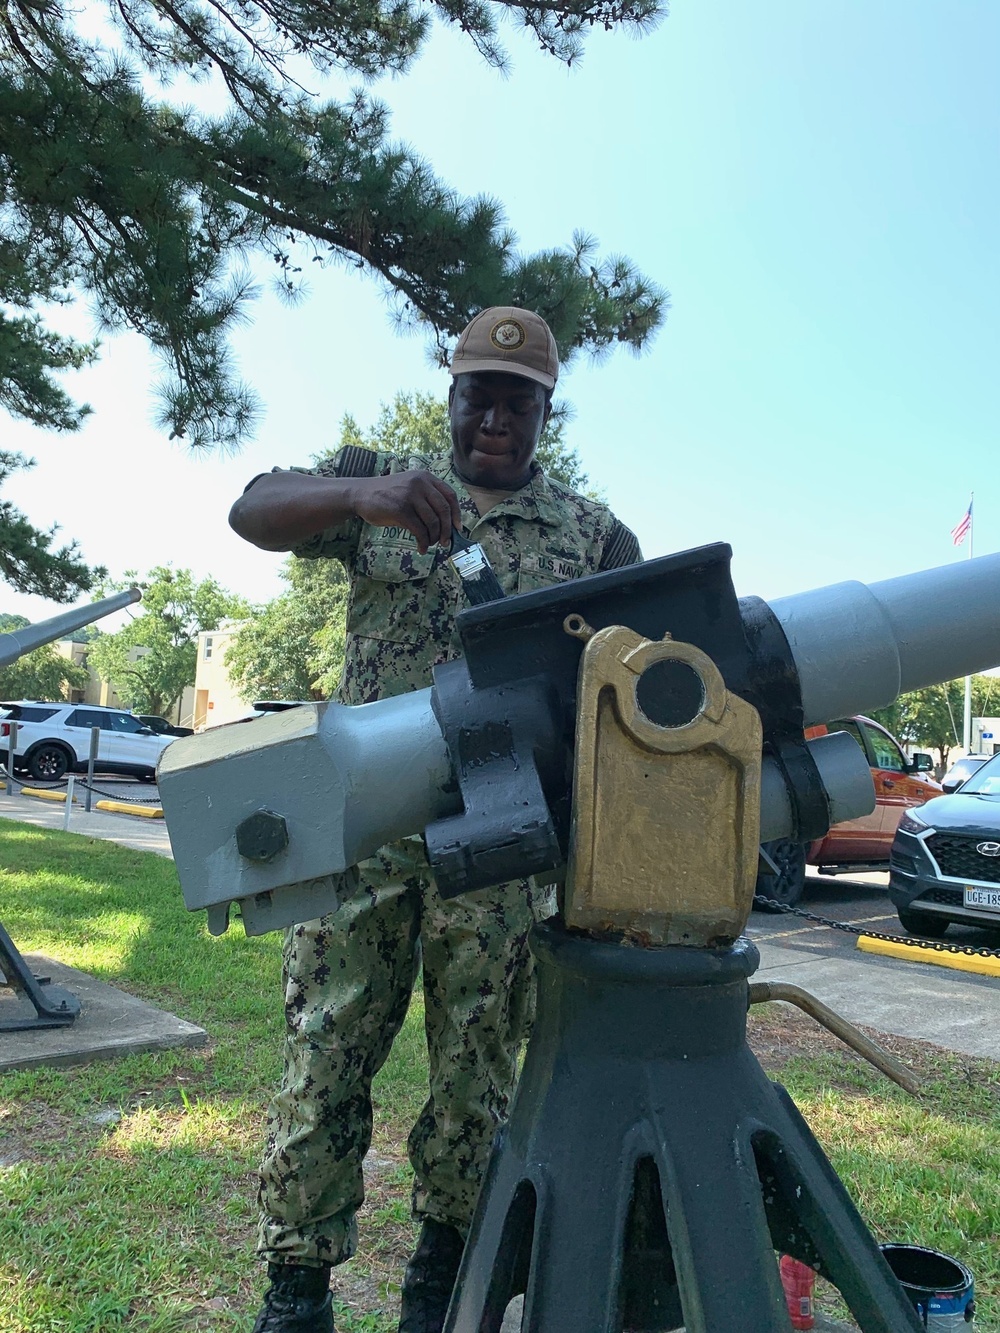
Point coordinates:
[[941, 1288]]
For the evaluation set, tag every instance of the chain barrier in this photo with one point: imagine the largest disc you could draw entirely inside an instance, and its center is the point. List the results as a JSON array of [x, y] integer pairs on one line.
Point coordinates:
[[80, 782], [113, 795], [939, 946]]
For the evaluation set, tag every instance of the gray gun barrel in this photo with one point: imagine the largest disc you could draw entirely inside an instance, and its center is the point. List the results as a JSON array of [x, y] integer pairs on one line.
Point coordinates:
[[857, 647], [268, 812], [846, 778], [15, 643]]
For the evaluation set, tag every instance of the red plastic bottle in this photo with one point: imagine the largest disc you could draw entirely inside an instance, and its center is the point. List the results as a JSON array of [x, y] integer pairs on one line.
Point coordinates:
[[798, 1281]]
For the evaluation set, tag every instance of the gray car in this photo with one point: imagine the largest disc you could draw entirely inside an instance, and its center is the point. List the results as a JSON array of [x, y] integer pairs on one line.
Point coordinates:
[[945, 860]]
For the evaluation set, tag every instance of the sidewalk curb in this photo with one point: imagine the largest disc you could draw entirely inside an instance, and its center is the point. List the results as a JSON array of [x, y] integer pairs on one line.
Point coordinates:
[[123, 808], [962, 962], [44, 793]]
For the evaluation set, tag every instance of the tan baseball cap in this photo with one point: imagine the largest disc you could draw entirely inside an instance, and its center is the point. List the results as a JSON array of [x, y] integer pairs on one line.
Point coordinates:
[[508, 339]]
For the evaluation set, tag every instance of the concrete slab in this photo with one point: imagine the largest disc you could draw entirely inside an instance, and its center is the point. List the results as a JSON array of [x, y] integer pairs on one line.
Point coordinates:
[[110, 1024]]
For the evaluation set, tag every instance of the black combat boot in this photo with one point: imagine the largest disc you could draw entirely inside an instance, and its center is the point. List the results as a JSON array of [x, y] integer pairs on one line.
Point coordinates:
[[297, 1301], [430, 1278]]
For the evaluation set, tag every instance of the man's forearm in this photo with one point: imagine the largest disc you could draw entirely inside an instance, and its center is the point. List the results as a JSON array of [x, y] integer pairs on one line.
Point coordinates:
[[283, 509]]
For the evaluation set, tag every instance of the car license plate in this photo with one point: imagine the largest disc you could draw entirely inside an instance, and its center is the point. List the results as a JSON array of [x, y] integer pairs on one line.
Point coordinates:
[[982, 897]]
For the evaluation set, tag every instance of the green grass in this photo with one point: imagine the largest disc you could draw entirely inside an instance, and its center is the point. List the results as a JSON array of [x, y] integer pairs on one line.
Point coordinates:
[[924, 1172], [127, 1188]]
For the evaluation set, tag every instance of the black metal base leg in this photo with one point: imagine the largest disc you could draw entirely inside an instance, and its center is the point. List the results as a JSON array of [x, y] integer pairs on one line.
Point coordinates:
[[54, 1005], [650, 1170]]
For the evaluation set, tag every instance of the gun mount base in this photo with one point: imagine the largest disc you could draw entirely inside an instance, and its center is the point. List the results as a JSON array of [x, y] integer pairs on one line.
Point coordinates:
[[650, 1169], [54, 1007]]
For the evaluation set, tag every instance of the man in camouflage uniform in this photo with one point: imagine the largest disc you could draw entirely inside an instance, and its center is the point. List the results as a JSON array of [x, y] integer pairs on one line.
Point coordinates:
[[348, 977]]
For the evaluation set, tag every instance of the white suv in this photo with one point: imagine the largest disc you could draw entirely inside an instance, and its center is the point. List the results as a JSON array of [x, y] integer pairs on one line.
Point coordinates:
[[53, 738]]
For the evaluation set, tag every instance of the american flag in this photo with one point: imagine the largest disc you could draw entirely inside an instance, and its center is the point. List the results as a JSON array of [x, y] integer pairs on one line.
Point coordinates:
[[959, 531]]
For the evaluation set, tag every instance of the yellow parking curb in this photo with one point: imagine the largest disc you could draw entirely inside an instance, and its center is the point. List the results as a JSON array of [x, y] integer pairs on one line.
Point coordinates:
[[964, 962], [123, 808], [44, 793]]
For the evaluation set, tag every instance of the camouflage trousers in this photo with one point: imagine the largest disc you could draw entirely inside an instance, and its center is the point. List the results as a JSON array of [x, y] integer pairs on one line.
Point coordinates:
[[348, 979]]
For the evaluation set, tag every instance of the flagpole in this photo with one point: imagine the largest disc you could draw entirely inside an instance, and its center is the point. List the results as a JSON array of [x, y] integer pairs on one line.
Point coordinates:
[[967, 717]]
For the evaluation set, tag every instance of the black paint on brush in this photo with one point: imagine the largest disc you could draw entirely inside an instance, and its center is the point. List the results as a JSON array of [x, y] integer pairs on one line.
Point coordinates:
[[478, 579]]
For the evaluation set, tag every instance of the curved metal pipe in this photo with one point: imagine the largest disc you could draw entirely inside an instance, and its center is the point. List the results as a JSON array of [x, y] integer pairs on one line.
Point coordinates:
[[763, 991]]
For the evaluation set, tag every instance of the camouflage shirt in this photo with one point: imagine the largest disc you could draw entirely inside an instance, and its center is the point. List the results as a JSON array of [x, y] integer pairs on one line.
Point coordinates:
[[402, 610]]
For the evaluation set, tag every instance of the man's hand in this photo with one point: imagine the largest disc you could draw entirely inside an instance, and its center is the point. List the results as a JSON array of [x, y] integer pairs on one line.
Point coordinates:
[[416, 501], [285, 508]]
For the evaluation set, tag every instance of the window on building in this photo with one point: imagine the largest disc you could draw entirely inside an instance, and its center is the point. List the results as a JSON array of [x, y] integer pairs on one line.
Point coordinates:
[[208, 647]]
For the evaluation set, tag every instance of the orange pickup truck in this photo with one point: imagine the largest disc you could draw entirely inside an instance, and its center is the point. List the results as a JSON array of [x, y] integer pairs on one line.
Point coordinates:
[[859, 844]]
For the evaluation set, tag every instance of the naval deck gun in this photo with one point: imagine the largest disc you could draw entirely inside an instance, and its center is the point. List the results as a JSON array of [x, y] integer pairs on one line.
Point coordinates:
[[635, 733], [15, 643]]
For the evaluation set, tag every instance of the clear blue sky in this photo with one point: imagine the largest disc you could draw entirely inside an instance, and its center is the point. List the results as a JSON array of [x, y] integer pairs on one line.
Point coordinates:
[[817, 185]]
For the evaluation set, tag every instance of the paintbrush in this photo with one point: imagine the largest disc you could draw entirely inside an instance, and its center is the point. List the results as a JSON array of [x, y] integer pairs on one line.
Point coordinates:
[[470, 562]]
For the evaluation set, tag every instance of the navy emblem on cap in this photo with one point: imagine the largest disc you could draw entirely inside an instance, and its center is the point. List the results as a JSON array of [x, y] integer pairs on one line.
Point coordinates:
[[508, 335]]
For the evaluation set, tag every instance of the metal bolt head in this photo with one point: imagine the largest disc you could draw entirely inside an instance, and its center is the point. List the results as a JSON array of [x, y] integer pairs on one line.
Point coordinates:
[[262, 835]]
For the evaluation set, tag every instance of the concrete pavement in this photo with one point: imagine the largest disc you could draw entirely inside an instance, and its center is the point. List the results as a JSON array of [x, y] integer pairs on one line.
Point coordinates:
[[146, 835], [956, 1010]]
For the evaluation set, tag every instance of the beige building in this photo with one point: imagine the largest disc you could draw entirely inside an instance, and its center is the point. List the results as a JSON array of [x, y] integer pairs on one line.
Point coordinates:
[[98, 691], [215, 701]]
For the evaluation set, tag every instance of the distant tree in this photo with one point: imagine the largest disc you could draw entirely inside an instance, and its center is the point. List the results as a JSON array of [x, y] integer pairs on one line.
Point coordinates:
[[900, 717], [27, 560], [41, 674], [293, 647], [935, 716], [561, 460], [153, 209], [153, 658]]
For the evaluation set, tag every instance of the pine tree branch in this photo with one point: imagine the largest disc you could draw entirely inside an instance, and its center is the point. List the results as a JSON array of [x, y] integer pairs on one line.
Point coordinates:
[[15, 40], [153, 210]]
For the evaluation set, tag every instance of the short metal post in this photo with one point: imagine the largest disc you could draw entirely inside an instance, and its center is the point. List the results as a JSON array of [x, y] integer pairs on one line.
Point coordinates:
[[11, 788], [69, 799], [95, 739]]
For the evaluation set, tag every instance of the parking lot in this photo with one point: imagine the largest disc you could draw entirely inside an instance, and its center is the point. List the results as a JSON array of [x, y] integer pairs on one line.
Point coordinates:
[[917, 999], [106, 786], [121, 789], [859, 900]]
